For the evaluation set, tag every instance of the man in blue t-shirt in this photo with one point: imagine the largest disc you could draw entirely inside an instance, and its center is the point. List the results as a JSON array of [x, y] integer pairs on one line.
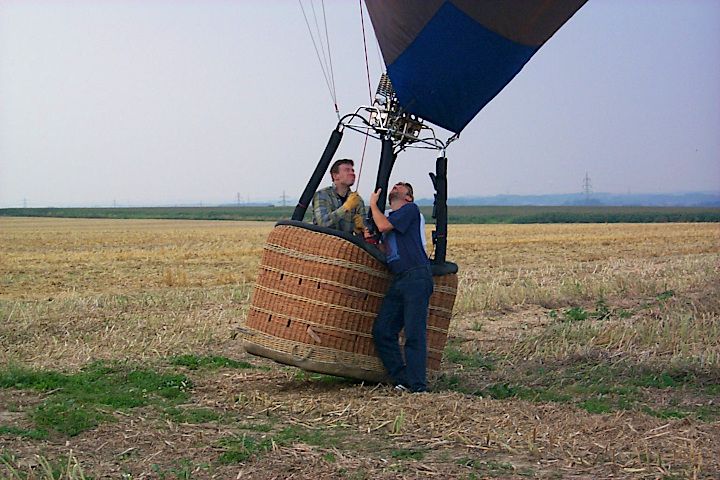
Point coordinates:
[[406, 303]]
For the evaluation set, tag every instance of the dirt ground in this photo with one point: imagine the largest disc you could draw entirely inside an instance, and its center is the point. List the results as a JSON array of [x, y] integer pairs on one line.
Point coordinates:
[[458, 435], [75, 292]]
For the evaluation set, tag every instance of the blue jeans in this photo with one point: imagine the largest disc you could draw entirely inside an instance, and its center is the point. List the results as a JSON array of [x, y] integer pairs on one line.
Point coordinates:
[[405, 305]]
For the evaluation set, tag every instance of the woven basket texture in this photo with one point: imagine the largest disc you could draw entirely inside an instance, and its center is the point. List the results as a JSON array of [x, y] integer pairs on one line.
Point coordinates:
[[315, 301]]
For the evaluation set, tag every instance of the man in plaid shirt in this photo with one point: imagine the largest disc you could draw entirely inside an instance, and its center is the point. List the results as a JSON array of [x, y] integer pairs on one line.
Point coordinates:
[[336, 206]]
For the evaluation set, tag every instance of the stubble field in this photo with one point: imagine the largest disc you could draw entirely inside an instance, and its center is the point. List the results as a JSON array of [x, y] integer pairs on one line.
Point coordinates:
[[575, 351]]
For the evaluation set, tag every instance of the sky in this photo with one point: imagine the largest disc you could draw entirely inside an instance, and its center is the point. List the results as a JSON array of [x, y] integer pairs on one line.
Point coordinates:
[[158, 102]]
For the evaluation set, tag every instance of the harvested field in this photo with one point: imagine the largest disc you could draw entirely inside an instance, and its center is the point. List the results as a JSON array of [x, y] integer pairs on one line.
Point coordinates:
[[575, 351]]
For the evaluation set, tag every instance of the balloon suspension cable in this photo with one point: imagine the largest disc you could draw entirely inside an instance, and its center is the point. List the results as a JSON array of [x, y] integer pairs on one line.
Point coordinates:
[[370, 94], [367, 63], [332, 71], [325, 59]]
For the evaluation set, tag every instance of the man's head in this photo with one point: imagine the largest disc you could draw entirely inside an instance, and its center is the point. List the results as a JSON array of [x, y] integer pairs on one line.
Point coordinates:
[[400, 194], [343, 173]]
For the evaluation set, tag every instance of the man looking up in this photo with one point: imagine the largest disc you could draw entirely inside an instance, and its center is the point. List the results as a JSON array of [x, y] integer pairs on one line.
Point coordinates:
[[406, 302], [335, 206]]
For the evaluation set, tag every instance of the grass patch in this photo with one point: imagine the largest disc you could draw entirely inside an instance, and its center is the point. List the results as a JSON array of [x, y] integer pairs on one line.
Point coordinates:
[[65, 415], [481, 361], [578, 314], [263, 427], [403, 454], [79, 401], [321, 437], [65, 467], [192, 415], [597, 386], [211, 362], [19, 432], [238, 450], [181, 469]]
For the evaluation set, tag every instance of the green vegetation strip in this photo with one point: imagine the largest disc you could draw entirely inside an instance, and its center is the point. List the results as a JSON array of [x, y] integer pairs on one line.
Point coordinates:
[[592, 381], [599, 387], [239, 449], [456, 214], [80, 401]]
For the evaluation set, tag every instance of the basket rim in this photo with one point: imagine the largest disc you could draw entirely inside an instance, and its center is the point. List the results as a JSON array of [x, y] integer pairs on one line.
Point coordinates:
[[360, 242], [438, 269]]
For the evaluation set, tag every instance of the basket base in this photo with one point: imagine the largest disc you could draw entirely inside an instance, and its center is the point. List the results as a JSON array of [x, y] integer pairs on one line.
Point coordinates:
[[336, 369]]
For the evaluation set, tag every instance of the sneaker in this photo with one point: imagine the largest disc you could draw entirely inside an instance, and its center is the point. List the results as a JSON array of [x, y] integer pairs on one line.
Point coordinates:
[[401, 388]]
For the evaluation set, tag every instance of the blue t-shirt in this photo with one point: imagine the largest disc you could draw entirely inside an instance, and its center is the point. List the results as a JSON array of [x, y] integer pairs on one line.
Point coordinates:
[[403, 244]]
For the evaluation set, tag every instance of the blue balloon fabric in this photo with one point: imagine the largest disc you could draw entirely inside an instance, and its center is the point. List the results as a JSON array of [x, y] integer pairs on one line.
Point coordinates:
[[447, 59]]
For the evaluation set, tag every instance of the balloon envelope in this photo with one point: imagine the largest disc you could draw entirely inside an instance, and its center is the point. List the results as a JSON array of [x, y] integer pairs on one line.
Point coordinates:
[[447, 59]]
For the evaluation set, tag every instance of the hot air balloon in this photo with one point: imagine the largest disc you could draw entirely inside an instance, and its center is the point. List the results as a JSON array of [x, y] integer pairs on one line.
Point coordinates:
[[319, 290]]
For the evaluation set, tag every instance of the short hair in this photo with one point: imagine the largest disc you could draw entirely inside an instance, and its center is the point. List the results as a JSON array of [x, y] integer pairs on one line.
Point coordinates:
[[409, 189], [336, 166]]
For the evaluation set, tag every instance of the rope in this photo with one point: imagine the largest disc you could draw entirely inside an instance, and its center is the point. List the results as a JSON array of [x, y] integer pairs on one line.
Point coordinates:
[[311, 323], [367, 64], [326, 66], [367, 70], [315, 302], [324, 280], [357, 359], [326, 260], [362, 160], [332, 71]]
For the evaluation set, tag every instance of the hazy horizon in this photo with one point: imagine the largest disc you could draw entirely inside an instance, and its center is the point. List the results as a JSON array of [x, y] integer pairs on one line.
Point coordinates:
[[291, 202]]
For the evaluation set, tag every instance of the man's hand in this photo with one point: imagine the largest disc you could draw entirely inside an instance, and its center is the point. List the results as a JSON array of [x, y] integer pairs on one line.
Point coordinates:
[[352, 201], [381, 221], [359, 225], [375, 196]]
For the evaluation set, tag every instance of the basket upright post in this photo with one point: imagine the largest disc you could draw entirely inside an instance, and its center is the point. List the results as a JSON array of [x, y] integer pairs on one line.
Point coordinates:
[[387, 161], [439, 235], [317, 175]]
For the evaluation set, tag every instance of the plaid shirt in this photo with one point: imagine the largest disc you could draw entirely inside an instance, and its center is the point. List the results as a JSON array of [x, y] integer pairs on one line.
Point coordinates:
[[328, 211]]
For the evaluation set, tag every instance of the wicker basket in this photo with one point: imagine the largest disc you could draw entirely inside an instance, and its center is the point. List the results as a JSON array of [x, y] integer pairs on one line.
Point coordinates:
[[315, 301]]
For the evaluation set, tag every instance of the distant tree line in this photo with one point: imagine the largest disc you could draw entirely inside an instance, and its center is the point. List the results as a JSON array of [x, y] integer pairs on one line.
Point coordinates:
[[456, 214]]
